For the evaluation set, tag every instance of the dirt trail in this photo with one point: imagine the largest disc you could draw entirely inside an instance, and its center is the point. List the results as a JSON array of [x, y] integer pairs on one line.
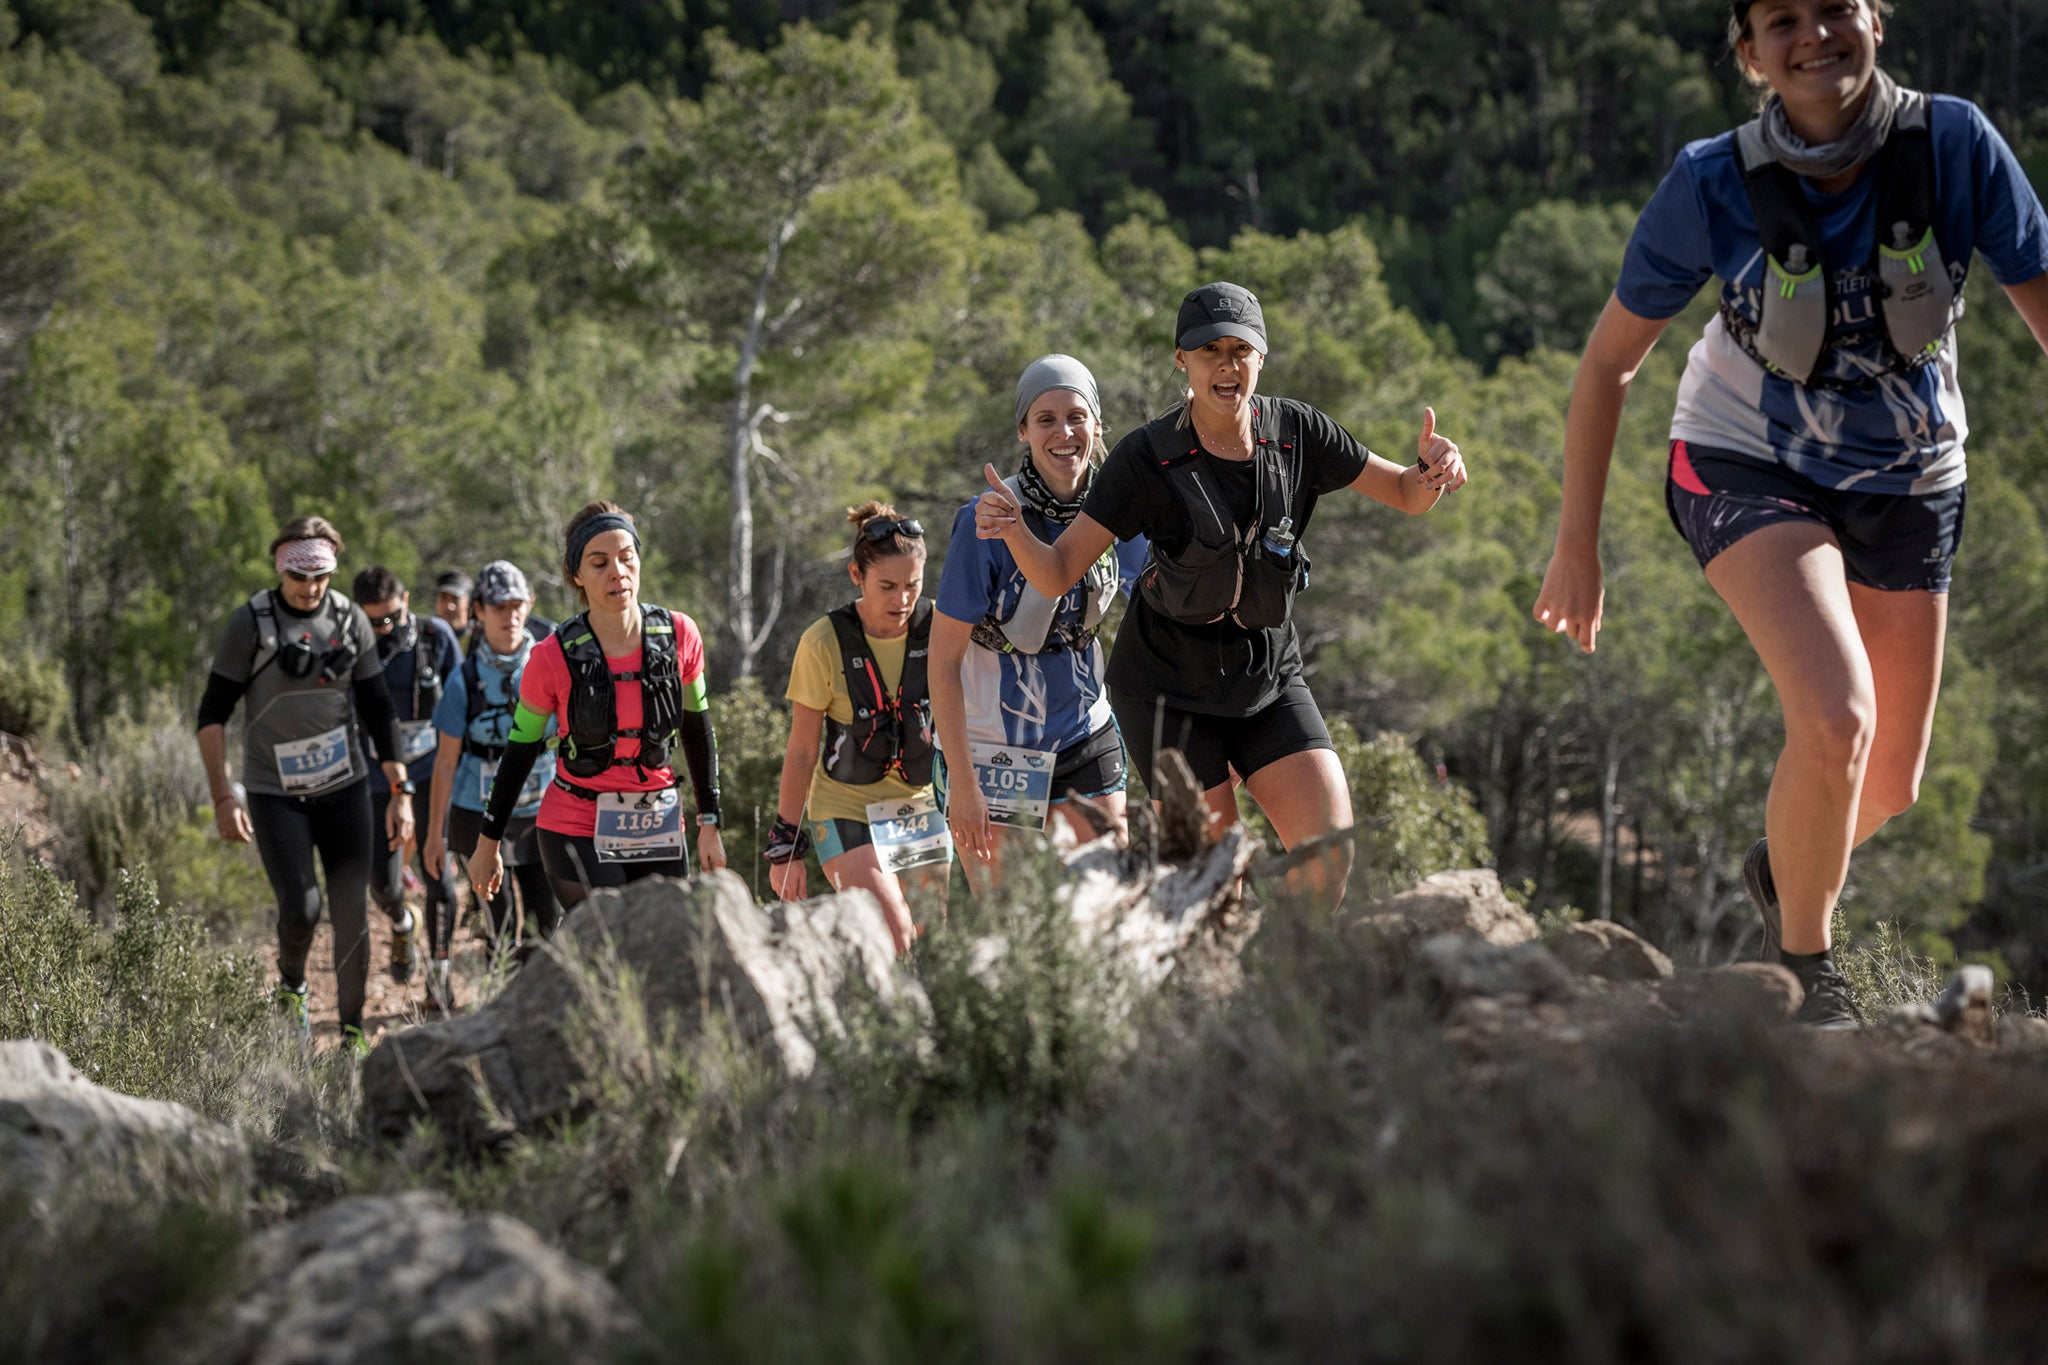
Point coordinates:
[[387, 1004]]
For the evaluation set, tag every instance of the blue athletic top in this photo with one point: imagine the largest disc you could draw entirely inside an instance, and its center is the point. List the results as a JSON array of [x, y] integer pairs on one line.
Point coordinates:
[[499, 676], [1905, 433], [1051, 700]]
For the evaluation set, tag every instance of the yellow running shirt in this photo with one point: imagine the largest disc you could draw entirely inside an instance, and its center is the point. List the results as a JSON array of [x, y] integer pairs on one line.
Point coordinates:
[[817, 679]]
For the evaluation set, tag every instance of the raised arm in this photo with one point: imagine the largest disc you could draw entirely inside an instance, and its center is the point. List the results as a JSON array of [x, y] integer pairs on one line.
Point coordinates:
[[1052, 569], [1573, 594], [1439, 468]]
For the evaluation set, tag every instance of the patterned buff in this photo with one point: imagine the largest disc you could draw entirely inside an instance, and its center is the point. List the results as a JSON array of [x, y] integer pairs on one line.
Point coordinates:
[[1038, 496], [311, 558]]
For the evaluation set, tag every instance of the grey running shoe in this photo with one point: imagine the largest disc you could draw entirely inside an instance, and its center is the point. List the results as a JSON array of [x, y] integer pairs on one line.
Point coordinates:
[[294, 1003], [1828, 1006], [1756, 875]]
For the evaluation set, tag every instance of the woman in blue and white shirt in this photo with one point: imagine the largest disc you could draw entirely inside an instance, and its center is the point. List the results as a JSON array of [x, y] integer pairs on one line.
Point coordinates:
[[1010, 667], [475, 721], [1817, 449]]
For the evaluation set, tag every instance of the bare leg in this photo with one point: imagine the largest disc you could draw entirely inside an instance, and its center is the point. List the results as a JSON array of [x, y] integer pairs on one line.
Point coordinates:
[[1785, 585], [1903, 634], [860, 868], [1305, 797]]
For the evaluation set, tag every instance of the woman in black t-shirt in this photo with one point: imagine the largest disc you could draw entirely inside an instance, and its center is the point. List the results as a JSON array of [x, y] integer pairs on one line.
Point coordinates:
[[1207, 661]]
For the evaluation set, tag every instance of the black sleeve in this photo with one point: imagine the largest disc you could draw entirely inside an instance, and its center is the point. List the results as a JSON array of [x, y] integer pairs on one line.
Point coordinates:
[[513, 769], [380, 717], [1333, 456], [700, 751], [219, 702], [1120, 494]]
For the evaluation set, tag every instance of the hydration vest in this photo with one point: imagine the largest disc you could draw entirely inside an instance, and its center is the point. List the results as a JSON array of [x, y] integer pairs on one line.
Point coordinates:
[[1246, 576], [591, 742], [480, 707], [1030, 627], [1910, 278], [888, 734], [426, 679], [331, 660]]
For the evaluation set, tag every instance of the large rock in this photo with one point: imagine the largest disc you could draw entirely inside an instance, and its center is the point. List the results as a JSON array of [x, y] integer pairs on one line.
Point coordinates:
[[408, 1278], [1602, 948], [1463, 966], [54, 1121], [1762, 989], [1468, 902], [776, 974]]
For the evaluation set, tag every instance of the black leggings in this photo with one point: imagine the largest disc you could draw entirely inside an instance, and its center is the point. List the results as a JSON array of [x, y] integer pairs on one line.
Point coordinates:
[[522, 861], [289, 830], [572, 862], [387, 865]]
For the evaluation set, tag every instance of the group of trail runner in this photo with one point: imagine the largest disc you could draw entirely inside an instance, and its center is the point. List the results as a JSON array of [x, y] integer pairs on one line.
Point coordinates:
[[1816, 470]]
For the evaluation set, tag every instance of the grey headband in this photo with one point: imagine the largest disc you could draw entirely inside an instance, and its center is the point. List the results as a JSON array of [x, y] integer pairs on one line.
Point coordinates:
[[1050, 372], [591, 530]]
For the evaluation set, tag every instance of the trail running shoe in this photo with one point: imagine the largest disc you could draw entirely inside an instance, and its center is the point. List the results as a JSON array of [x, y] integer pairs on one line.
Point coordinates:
[[1763, 890], [401, 949], [293, 1002], [1828, 1006], [354, 1039]]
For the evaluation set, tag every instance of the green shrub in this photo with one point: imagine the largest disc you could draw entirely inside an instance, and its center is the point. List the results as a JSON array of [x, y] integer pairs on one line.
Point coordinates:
[[33, 697], [143, 803], [146, 1009]]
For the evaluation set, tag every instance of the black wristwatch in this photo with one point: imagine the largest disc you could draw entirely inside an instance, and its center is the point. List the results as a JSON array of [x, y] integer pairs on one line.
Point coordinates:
[[405, 788]]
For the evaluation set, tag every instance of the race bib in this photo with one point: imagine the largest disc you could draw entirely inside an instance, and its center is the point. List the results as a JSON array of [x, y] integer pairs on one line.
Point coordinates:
[[530, 791], [416, 739], [909, 833], [1016, 784], [306, 767], [639, 827]]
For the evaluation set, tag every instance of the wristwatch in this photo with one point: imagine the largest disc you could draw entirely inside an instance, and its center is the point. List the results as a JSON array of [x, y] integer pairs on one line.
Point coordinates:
[[405, 788]]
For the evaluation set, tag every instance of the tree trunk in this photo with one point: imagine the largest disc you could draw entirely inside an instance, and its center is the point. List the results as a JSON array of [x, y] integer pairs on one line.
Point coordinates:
[[739, 592]]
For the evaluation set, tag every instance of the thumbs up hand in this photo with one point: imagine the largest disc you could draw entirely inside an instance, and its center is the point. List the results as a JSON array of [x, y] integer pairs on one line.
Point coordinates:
[[1443, 467], [995, 512]]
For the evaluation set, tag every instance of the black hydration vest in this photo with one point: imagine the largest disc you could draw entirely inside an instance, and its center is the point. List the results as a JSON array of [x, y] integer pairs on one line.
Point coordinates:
[[591, 744], [1909, 278], [426, 679], [1247, 576], [888, 734], [480, 706]]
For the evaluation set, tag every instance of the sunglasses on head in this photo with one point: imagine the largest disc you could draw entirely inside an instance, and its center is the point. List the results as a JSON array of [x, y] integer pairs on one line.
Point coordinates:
[[882, 528], [295, 576]]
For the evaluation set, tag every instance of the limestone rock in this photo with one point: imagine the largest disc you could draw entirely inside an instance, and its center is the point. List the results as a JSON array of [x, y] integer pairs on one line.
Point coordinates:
[[700, 949], [1467, 902], [1604, 949], [1464, 967], [1761, 988], [54, 1121], [2023, 1032], [408, 1278]]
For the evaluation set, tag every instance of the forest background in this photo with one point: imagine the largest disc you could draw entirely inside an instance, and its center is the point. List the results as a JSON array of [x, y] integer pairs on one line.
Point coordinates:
[[444, 271]]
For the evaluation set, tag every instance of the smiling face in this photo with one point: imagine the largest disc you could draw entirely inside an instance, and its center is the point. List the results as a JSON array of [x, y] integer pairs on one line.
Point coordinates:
[[1814, 54], [888, 590], [609, 573], [1060, 432], [1224, 374]]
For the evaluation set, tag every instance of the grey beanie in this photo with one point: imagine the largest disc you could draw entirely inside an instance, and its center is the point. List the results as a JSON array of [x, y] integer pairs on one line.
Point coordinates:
[[1050, 372]]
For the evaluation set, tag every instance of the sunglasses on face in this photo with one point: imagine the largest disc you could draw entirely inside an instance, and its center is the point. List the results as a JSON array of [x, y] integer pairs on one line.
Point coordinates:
[[387, 620], [295, 576], [881, 529]]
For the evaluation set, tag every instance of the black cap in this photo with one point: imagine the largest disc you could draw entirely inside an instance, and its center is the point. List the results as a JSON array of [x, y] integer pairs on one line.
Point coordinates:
[[454, 582], [1219, 310]]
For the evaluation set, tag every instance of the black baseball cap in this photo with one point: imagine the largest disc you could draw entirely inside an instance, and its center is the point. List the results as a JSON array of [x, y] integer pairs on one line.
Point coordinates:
[[1219, 310], [455, 583]]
